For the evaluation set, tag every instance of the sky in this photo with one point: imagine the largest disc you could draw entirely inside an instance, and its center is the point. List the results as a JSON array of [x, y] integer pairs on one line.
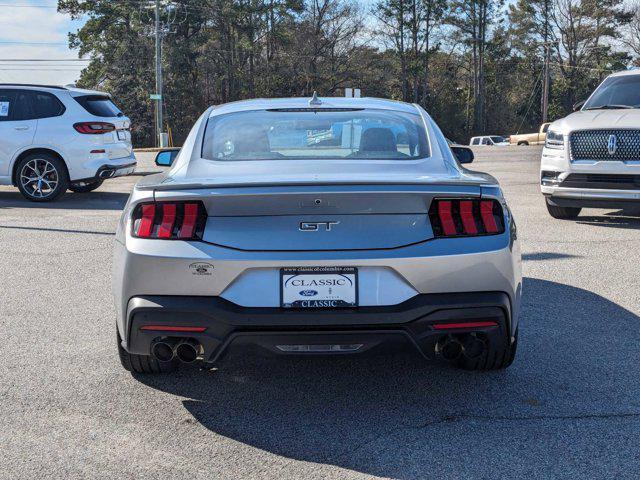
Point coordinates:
[[34, 30]]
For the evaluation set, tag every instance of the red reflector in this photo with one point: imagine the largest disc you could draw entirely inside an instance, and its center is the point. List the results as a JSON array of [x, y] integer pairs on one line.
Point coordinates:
[[145, 227], [486, 211], [189, 221], [450, 326], [102, 150], [168, 218], [172, 328], [466, 215], [444, 212]]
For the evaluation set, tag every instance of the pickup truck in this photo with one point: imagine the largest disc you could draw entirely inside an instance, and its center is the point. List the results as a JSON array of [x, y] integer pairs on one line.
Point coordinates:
[[530, 138]]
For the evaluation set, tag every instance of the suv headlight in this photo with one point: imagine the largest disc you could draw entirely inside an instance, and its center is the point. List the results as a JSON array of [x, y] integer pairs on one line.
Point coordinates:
[[554, 140]]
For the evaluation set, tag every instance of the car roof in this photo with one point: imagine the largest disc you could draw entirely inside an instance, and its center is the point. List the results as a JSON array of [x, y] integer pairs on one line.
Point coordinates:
[[74, 91], [624, 73], [304, 102]]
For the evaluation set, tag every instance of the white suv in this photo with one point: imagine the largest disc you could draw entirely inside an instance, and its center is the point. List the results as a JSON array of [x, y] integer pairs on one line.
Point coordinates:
[[592, 157], [489, 140], [58, 138]]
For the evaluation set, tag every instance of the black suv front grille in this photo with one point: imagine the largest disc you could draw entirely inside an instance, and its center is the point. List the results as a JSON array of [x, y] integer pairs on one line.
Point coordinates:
[[604, 181], [619, 145]]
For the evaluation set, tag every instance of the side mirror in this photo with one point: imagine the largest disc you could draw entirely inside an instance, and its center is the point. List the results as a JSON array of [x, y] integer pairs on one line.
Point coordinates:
[[165, 158], [463, 154], [578, 105]]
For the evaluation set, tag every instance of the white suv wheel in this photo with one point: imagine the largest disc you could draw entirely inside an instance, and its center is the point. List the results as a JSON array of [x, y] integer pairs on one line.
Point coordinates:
[[41, 177]]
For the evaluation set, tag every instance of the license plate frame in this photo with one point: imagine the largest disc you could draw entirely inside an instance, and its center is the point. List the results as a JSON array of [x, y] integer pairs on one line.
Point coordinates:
[[122, 134], [325, 296]]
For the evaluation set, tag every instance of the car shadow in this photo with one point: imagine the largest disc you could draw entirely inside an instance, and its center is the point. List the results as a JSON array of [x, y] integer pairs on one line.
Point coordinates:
[[397, 416], [618, 219], [57, 230], [69, 201], [541, 256]]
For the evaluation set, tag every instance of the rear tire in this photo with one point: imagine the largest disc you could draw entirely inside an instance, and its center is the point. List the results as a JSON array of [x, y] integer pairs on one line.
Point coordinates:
[[85, 187], [492, 359], [41, 177], [143, 363], [563, 213]]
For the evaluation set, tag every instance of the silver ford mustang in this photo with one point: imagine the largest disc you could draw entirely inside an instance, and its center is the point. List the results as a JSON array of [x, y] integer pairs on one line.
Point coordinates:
[[316, 226]]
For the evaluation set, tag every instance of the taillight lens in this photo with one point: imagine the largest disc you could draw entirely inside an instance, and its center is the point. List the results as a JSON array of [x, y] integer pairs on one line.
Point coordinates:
[[169, 220], [94, 128], [466, 217]]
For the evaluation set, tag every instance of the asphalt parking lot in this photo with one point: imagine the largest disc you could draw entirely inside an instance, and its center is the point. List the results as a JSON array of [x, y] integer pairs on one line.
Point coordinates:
[[569, 407]]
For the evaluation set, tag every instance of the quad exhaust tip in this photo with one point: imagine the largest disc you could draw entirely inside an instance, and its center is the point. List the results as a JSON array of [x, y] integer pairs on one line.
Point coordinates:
[[451, 349], [473, 347], [163, 350], [470, 346], [185, 350]]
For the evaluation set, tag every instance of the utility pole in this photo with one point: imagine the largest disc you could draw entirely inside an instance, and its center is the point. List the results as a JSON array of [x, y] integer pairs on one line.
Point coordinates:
[[545, 82], [547, 59], [158, 97]]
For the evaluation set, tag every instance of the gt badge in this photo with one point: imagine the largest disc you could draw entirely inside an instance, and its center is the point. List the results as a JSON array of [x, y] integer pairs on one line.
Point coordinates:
[[316, 226]]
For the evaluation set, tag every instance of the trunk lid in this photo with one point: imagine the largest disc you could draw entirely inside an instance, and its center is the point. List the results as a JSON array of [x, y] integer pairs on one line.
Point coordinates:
[[333, 217]]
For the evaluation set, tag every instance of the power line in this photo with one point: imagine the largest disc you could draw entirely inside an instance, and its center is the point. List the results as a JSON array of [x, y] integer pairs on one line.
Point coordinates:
[[38, 69], [27, 6], [580, 67], [535, 88], [42, 67], [45, 59], [32, 43]]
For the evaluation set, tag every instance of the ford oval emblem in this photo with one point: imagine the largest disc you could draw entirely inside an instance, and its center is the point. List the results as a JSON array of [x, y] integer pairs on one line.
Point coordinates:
[[308, 293]]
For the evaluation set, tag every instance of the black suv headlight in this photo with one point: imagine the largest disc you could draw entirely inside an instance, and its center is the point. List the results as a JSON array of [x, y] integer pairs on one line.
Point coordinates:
[[554, 140]]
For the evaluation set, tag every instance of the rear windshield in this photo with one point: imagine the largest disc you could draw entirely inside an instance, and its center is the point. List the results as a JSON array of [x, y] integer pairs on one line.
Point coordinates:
[[100, 106], [315, 134]]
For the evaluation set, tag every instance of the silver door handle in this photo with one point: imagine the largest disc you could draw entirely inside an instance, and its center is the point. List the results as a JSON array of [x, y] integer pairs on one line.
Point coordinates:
[[21, 128]]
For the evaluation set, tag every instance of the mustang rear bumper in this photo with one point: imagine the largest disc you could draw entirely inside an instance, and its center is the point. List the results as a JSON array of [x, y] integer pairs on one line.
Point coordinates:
[[418, 323]]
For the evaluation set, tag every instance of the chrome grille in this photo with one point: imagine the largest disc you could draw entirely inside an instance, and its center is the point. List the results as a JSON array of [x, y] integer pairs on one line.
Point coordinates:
[[595, 145]]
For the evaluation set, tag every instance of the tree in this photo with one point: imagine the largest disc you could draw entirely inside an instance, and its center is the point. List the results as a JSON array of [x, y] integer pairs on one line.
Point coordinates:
[[631, 37], [327, 45], [473, 20], [392, 16], [122, 57], [474, 73], [582, 27], [433, 12]]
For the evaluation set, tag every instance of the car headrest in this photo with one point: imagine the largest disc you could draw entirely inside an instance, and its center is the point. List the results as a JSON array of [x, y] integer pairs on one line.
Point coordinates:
[[252, 140], [378, 140]]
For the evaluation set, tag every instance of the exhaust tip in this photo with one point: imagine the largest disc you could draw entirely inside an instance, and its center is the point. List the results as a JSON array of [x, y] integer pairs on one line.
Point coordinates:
[[451, 349], [473, 347], [162, 351], [187, 351], [106, 174]]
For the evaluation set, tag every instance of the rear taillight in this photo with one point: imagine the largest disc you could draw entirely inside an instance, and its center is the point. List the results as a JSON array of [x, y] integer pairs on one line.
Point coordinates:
[[94, 128], [169, 220], [466, 217]]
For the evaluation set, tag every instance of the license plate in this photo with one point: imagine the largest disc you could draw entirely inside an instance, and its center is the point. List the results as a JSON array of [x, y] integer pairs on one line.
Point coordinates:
[[122, 135], [319, 287]]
